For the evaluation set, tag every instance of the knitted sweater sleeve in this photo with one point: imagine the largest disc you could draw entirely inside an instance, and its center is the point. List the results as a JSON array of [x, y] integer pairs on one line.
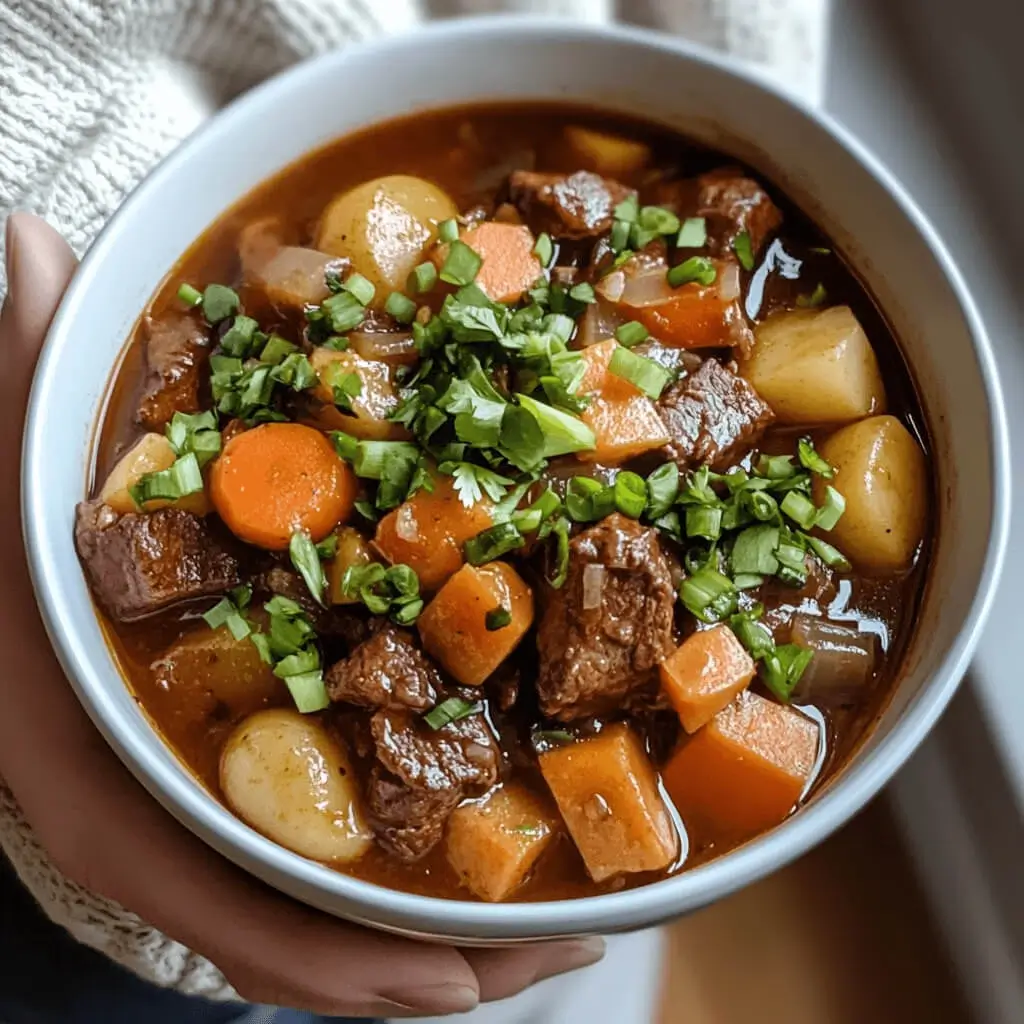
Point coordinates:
[[94, 92]]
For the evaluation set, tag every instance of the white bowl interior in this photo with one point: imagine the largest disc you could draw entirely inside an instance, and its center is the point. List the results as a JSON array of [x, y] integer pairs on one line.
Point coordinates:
[[849, 195]]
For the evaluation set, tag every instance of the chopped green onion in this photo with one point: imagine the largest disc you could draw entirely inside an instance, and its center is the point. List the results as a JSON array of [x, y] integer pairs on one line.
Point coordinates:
[[800, 509], [830, 513], [657, 220], [754, 551], [344, 311], [395, 590], [189, 295], [306, 559], [776, 467], [747, 580], [631, 333], [815, 299], [462, 264], [219, 302], [696, 268], [792, 561], [811, 460], [629, 209], [561, 532], [226, 613], [708, 594], [761, 505], [182, 478], [370, 457], [448, 711], [328, 547], [662, 490], [618, 240], [693, 234], [587, 500], [831, 556], [196, 433], [630, 492], [497, 618], [756, 637], [544, 249], [308, 691], [647, 375], [360, 288], [783, 669], [448, 230], [561, 433], [344, 385], [401, 307], [492, 543], [583, 292], [704, 521], [741, 245], [423, 278], [276, 350], [345, 445], [240, 338]]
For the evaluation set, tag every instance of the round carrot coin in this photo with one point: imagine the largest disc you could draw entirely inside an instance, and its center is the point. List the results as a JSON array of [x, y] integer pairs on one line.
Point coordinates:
[[278, 478]]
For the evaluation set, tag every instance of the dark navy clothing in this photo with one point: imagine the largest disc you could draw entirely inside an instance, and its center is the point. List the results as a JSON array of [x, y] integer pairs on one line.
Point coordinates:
[[46, 977]]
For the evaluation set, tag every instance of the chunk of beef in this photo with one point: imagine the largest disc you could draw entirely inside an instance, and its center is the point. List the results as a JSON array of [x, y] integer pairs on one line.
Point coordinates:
[[712, 416], [580, 205], [422, 774], [732, 203], [175, 354], [386, 671], [729, 202], [602, 634], [138, 564]]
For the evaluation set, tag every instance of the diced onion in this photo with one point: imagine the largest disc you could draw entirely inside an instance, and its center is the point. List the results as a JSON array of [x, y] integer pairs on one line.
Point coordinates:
[[598, 323], [593, 586], [612, 286], [406, 525], [647, 288], [391, 347], [728, 281], [843, 662]]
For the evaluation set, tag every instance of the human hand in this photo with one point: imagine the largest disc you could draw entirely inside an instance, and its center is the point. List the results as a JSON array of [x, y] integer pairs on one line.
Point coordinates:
[[101, 828]]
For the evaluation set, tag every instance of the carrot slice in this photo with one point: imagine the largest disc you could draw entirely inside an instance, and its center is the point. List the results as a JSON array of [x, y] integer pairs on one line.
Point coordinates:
[[427, 532], [704, 673], [278, 478], [454, 627], [509, 266], [745, 770]]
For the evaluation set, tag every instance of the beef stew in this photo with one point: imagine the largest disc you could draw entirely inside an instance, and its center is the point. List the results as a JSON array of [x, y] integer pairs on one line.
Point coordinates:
[[511, 502]]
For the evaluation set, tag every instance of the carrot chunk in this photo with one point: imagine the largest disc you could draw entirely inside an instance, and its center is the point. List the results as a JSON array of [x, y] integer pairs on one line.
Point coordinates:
[[509, 266], [493, 843], [704, 673], [745, 770], [454, 627], [695, 317], [427, 532], [278, 478], [607, 792], [624, 421]]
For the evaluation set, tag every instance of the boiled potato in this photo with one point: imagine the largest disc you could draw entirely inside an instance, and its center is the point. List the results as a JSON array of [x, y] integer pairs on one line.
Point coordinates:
[[880, 471], [283, 774], [150, 454], [370, 409], [383, 227], [208, 672], [815, 366], [606, 154]]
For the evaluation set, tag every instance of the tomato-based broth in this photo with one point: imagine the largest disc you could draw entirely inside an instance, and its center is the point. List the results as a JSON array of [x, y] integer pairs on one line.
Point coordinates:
[[512, 502]]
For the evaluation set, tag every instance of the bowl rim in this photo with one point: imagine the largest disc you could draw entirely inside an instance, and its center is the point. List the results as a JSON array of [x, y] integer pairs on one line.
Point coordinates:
[[392, 909]]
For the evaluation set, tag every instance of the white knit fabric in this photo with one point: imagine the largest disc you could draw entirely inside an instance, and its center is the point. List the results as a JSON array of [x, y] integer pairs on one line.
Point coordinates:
[[94, 92]]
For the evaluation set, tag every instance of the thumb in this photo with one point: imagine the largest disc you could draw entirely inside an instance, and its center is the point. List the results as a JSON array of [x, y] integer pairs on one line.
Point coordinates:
[[39, 266]]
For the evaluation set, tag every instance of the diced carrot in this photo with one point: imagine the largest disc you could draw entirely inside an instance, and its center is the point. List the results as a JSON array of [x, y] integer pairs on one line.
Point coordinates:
[[509, 266], [353, 549], [695, 317], [493, 843], [453, 627], [624, 421], [278, 478], [370, 408], [745, 770], [427, 532], [704, 673], [608, 794], [623, 428]]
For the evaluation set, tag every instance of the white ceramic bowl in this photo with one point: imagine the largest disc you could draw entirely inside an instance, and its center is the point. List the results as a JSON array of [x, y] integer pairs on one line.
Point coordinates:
[[843, 187]]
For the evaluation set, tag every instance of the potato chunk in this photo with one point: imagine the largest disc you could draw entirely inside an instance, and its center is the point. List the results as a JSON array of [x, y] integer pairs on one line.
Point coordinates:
[[370, 407], [611, 155], [383, 227], [745, 770], [493, 843], [454, 627], [353, 549], [150, 454], [815, 366], [881, 472], [283, 774], [607, 792]]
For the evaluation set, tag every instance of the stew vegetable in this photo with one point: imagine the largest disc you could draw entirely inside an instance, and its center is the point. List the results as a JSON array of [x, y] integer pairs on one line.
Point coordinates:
[[513, 502]]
